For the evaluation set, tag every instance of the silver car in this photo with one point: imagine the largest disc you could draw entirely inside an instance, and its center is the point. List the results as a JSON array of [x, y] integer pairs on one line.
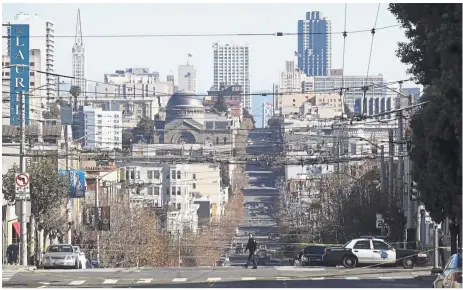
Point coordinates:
[[450, 275], [62, 256]]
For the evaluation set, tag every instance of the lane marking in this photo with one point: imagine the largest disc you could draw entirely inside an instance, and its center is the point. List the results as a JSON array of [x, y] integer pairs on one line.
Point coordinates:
[[352, 278], [248, 278], [44, 283], [319, 278], [144, 281], [110, 281], [77, 282], [213, 279], [281, 278], [179, 279], [386, 278]]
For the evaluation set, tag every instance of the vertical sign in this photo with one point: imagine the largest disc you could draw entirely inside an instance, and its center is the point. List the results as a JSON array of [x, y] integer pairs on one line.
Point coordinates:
[[19, 71]]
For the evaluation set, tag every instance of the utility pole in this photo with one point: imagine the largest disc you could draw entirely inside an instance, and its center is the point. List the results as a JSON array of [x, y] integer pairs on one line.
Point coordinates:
[[97, 203], [69, 206], [391, 166], [22, 169], [383, 179]]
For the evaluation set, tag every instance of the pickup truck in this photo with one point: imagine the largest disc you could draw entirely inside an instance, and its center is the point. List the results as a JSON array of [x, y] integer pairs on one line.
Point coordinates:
[[371, 251]]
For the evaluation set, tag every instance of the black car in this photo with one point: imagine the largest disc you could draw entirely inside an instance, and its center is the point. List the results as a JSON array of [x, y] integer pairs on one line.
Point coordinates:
[[312, 255]]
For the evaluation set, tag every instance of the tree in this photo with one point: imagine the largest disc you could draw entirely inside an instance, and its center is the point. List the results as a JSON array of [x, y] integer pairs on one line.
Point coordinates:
[[49, 191], [127, 138], [220, 104], [75, 91], [145, 127], [247, 115], [434, 56]]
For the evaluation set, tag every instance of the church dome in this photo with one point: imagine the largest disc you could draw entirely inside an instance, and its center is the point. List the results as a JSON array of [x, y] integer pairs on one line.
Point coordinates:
[[184, 99]]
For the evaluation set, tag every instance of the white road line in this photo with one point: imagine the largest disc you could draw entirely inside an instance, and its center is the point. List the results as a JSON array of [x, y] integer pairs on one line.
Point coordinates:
[[179, 279], [319, 278], [77, 282], [352, 278], [281, 278], [110, 281], [213, 279], [248, 278], [44, 283], [386, 278], [145, 281], [137, 271]]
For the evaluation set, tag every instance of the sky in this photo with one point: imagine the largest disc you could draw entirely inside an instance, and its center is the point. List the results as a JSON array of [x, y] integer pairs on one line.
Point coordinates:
[[164, 54]]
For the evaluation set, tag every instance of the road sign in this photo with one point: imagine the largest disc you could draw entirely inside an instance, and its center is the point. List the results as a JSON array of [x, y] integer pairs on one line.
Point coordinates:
[[22, 186], [380, 222]]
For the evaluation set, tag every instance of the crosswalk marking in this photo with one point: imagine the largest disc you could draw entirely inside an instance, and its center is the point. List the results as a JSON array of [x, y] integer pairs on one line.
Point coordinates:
[[386, 278], [144, 281], [213, 279], [248, 278], [179, 279], [110, 281], [352, 278], [77, 282], [319, 278], [8, 274]]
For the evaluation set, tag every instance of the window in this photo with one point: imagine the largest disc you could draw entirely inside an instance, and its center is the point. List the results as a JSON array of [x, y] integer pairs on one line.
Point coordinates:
[[32, 73], [168, 191], [156, 174], [132, 174], [179, 175], [32, 63], [362, 245], [378, 245], [179, 191], [194, 185], [156, 190], [173, 190], [179, 206], [150, 174], [150, 190], [32, 84], [194, 176], [173, 174], [138, 174]]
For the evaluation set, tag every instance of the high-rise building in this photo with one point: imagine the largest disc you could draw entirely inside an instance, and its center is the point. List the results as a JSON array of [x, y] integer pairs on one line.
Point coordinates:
[[314, 44], [103, 129], [231, 67], [78, 63], [187, 78], [291, 78], [45, 43]]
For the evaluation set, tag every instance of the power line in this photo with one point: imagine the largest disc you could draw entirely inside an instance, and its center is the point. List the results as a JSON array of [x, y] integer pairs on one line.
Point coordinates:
[[278, 34]]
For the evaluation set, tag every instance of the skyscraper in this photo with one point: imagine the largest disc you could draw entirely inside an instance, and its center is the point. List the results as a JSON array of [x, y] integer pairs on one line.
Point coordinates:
[[187, 78], [231, 67], [314, 44], [78, 63], [45, 46]]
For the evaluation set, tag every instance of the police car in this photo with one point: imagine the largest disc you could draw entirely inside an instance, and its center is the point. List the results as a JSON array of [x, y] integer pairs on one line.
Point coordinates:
[[371, 251]]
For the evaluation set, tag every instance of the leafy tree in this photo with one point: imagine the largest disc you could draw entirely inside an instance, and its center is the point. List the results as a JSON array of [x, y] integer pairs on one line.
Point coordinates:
[[435, 57], [49, 191], [220, 104], [145, 127], [127, 138], [75, 91], [247, 115]]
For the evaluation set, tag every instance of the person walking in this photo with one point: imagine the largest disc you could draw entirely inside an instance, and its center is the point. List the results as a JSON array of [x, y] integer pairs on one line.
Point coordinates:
[[252, 247], [441, 249]]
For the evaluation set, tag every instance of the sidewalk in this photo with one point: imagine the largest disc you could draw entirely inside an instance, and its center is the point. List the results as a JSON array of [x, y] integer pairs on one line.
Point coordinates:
[[17, 267]]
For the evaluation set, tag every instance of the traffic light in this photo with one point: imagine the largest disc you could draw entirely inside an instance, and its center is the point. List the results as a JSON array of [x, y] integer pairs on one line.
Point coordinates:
[[414, 191]]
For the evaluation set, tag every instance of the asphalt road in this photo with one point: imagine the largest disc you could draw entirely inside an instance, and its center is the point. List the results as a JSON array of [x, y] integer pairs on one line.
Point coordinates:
[[217, 277]]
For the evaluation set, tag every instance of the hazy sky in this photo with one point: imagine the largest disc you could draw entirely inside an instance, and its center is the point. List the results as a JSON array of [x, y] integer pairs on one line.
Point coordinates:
[[164, 54]]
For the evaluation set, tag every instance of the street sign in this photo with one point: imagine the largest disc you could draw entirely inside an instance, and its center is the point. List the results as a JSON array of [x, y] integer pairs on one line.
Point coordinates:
[[380, 222], [22, 186]]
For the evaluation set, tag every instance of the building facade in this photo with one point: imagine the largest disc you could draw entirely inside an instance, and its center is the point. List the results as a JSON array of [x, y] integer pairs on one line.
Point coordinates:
[[231, 67], [314, 44], [187, 78], [103, 129], [45, 45], [291, 78]]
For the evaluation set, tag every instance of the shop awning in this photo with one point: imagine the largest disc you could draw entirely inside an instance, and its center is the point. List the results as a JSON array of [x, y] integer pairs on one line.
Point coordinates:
[[17, 227]]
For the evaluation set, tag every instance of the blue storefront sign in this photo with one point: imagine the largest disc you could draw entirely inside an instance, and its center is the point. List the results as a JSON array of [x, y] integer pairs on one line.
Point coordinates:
[[19, 72], [77, 183]]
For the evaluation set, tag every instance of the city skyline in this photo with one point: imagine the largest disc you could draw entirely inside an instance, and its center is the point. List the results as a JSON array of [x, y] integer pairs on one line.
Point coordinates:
[[267, 52]]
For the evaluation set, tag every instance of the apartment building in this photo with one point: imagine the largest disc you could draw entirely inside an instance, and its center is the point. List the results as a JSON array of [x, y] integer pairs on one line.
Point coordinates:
[[103, 129]]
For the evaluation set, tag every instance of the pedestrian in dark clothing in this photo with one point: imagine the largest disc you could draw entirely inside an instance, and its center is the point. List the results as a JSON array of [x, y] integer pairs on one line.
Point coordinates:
[[252, 247], [441, 250]]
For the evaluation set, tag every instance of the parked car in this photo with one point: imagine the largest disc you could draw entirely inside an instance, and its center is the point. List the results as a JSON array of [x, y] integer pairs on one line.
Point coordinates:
[[370, 251], [312, 255], [64, 256], [450, 275]]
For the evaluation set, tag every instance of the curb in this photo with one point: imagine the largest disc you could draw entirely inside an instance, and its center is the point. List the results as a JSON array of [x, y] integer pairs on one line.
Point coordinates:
[[426, 278]]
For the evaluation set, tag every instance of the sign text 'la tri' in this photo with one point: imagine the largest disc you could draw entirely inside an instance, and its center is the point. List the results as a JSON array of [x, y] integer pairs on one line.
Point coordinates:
[[19, 72]]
